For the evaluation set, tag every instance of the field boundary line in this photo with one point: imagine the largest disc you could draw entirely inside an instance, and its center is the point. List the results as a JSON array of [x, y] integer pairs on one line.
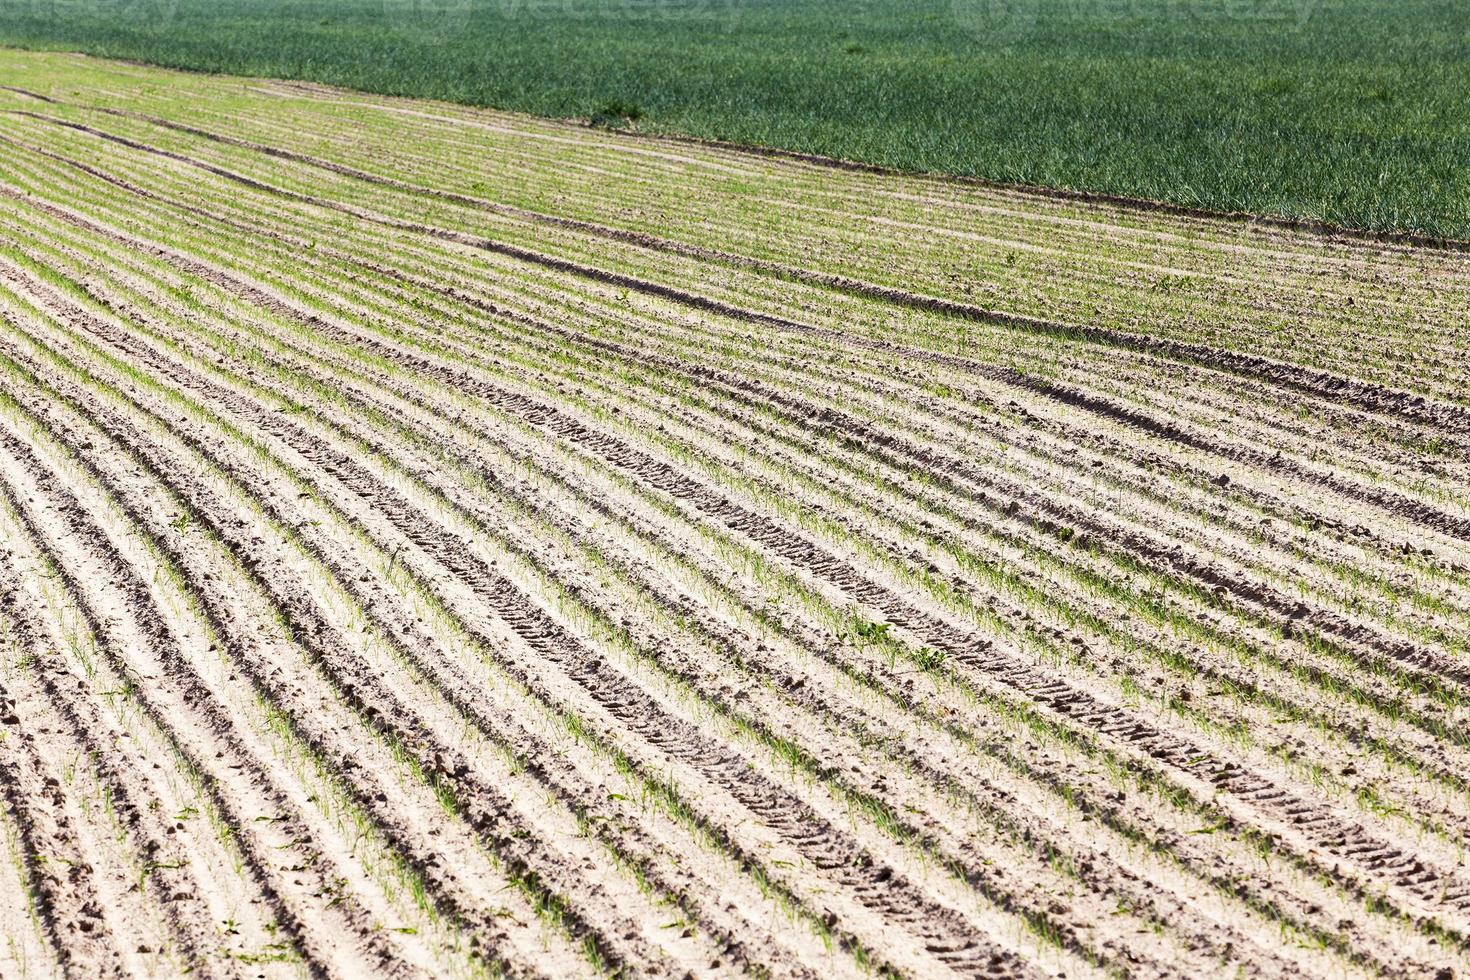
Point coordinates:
[[1316, 228]]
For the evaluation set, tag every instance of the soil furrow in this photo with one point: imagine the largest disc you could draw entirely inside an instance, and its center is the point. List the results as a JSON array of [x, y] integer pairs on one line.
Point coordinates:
[[1179, 754]]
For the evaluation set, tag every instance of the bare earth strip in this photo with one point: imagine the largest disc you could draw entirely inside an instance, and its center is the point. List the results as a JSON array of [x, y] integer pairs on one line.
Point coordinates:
[[440, 542]]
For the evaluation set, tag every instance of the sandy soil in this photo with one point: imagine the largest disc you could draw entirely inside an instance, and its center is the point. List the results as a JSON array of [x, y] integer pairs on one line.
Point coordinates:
[[441, 543]]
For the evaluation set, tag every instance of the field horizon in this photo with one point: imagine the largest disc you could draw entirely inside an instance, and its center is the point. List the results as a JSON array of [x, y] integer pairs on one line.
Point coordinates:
[[1308, 225], [1335, 111]]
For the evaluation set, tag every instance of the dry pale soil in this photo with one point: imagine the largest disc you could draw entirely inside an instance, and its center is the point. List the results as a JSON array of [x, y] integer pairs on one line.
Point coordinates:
[[437, 542]]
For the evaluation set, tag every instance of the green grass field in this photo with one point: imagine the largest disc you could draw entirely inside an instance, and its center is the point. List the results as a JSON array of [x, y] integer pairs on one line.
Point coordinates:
[[1348, 111]]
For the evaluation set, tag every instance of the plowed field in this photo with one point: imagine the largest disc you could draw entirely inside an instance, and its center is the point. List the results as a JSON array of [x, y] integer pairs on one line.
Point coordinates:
[[441, 542]]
